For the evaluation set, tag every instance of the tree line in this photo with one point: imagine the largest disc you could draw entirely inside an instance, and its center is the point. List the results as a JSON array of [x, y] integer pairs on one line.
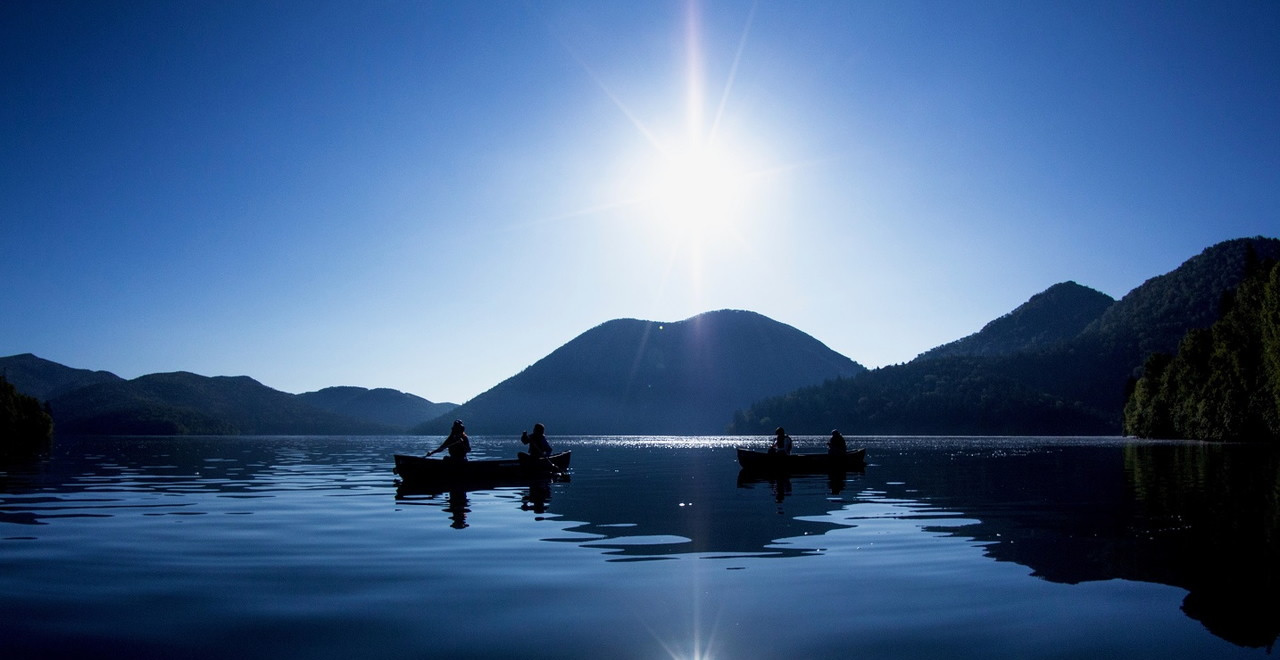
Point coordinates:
[[26, 425], [1224, 381]]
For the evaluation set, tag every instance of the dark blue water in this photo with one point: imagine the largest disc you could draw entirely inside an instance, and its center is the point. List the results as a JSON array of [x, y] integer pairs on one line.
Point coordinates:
[[655, 548]]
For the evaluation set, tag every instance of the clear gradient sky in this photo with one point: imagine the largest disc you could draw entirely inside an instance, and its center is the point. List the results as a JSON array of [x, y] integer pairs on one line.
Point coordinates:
[[431, 196]]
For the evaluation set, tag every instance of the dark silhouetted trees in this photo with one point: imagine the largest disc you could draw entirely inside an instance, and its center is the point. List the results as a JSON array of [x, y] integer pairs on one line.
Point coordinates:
[[1224, 381], [1023, 374], [25, 424]]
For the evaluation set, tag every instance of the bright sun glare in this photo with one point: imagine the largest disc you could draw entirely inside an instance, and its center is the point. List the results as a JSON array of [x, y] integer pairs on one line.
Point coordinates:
[[695, 191], [693, 186]]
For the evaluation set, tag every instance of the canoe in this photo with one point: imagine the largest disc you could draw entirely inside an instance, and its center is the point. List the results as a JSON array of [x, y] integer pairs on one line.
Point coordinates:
[[854, 459], [420, 469]]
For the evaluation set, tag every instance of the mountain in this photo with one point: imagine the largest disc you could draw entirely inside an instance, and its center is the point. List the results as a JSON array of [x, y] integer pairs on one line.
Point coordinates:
[[944, 396], [1154, 317], [379, 406], [44, 379], [1224, 382], [1061, 363], [1098, 366], [628, 376], [1048, 319], [1075, 386], [178, 403], [184, 403]]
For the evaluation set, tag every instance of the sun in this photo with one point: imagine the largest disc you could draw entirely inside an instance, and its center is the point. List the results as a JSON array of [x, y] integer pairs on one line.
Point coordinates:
[[695, 191], [694, 178]]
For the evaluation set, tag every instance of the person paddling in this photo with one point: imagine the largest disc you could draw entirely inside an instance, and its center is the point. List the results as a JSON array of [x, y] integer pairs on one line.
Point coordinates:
[[836, 446], [781, 444], [457, 443], [537, 441]]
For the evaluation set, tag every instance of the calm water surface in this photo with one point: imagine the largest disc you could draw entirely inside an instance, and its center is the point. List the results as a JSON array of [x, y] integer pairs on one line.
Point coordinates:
[[655, 548]]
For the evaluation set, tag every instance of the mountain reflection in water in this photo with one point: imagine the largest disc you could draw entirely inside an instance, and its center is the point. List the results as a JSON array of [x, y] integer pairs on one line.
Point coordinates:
[[1195, 516], [1201, 518]]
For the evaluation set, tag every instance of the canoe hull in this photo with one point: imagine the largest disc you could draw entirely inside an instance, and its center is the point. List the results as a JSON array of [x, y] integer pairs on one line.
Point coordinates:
[[419, 469], [759, 461]]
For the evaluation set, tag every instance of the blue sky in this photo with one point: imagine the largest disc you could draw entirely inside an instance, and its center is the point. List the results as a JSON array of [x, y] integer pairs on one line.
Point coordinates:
[[431, 196]]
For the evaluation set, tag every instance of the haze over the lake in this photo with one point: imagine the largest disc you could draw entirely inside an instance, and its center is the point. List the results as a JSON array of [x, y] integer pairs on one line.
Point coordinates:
[[431, 196]]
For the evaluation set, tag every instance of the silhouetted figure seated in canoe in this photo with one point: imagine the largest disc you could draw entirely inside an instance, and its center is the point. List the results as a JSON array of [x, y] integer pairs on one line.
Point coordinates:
[[782, 443], [457, 443], [539, 448], [836, 446]]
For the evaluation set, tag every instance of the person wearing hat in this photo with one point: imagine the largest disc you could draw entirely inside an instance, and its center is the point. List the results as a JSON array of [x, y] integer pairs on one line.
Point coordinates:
[[457, 443], [836, 446]]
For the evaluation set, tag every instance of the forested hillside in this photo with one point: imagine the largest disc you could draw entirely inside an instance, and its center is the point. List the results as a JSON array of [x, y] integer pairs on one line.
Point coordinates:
[[45, 380], [1078, 386], [25, 425], [1050, 318], [947, 396], [381, 405], [1224, 381], [182, 403]]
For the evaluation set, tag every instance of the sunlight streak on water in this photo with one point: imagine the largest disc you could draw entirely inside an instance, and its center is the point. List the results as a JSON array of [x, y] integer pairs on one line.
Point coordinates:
[[670, 442], [656, 547]]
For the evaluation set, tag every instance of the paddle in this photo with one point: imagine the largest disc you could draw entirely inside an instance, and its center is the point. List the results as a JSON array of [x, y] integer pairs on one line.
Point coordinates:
[[553, 468], [448, 443], [545, 462]]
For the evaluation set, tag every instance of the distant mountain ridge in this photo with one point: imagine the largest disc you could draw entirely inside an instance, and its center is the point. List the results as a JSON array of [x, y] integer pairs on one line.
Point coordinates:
[[377, 406], [1155, 315], [185, 403], [47, 380], [1058, 364], [1077, 386], [1098, 365], [182, 403], [1048, 319], [628, 376]]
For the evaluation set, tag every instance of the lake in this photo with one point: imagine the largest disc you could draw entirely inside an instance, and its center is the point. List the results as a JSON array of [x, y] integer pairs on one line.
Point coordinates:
[[656, 547]]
